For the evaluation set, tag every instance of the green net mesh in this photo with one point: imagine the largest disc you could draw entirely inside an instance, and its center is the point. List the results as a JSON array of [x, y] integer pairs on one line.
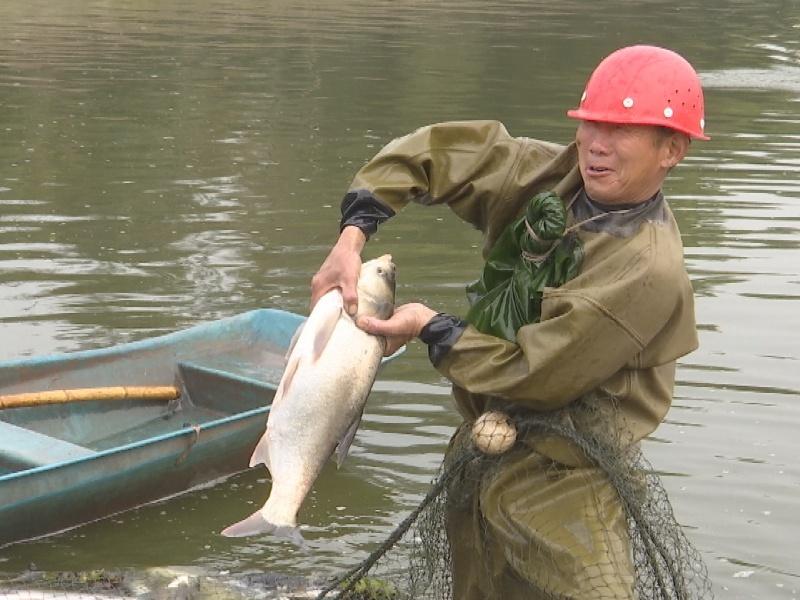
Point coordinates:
[[500, 520], [514, 524]]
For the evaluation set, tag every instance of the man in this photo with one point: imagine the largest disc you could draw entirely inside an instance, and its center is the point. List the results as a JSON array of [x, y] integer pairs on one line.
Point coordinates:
[[548, 524]]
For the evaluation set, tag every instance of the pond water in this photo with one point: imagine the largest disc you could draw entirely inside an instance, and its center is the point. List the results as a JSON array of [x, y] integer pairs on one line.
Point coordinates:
[[165, 164]]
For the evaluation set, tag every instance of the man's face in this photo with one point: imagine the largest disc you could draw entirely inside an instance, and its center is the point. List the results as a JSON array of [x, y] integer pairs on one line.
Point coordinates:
[[625, 164]]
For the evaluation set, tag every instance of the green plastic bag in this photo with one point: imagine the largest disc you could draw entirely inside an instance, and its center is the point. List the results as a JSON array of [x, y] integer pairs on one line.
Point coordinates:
[[531, 254]]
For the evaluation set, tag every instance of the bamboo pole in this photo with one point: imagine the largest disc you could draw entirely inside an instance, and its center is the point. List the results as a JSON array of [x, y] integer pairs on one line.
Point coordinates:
[[154, 393]]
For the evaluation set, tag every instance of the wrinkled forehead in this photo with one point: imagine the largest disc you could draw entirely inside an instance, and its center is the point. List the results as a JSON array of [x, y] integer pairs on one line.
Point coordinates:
[[654, 133]]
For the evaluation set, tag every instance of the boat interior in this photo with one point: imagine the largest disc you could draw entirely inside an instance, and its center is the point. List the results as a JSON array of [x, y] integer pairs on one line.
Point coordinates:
[[211, 387]]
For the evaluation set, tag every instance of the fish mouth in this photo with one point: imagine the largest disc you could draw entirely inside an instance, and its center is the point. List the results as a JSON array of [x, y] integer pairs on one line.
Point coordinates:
[[391, 274], [390, 278], [389, 270]]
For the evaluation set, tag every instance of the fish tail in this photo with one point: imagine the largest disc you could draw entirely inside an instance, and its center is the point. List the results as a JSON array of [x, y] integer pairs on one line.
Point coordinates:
[[261, 452], [256, 524]]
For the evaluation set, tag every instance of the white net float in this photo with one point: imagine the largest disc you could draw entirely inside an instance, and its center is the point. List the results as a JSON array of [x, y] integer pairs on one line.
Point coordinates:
[[494, 433]]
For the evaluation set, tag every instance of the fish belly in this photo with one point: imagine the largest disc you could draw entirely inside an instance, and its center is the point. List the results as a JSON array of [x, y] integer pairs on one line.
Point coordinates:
[[326, 396]]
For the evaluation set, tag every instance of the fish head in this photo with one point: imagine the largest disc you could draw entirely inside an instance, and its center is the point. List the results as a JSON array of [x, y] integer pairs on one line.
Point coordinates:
[[376, 286]]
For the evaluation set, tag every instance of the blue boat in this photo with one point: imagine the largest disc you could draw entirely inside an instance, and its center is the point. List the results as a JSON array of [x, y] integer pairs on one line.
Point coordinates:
[[68, 463]]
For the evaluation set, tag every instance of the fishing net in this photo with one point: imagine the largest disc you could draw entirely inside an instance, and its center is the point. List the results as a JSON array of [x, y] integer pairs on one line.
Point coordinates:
[[502, 521]]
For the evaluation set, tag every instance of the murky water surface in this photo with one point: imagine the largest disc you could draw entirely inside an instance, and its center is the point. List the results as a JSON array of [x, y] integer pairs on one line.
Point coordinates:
[[164, 164]]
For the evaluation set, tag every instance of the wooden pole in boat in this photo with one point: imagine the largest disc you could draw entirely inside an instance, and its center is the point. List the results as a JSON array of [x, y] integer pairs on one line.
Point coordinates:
[[153, 393]]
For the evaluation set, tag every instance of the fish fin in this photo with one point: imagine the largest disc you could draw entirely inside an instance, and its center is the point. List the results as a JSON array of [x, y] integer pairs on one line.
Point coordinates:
[[326, 315], [286, 379], [261, 453], [293, 343], [256, 524], [321, 324], [343, 447], [297, 349]]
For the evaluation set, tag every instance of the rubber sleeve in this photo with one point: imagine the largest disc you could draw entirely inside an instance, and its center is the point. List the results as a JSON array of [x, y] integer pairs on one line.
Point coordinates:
[[363, 210], [440, 334]]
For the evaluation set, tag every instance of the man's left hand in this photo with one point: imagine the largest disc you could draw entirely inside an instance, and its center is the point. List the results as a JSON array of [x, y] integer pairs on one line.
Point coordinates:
[[404, 325]]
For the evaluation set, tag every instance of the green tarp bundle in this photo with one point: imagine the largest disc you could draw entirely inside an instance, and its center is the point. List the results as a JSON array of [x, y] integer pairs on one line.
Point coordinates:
[[534, 252]]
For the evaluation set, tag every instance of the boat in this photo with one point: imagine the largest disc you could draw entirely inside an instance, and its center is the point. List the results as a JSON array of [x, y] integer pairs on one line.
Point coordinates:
[[88, 434]]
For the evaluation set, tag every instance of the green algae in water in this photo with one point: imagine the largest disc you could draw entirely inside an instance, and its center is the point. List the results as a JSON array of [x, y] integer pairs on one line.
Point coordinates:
[[370, 588]]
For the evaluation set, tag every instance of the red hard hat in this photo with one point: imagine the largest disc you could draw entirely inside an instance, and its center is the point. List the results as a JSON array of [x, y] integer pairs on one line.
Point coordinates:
[[645, 85]]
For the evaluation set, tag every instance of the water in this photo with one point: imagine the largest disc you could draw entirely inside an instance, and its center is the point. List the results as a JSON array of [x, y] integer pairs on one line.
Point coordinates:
[[164, 164]]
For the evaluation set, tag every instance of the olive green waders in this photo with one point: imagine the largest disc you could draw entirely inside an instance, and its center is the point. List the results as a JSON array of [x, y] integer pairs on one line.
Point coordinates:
[[532, 529]]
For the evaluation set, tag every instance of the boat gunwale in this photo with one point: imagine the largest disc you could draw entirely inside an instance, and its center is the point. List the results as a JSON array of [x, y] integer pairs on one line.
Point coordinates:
[[240, 416], [157, 341]]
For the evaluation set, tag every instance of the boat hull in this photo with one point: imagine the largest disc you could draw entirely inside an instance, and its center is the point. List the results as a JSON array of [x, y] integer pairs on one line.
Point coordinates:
[[121, 454]]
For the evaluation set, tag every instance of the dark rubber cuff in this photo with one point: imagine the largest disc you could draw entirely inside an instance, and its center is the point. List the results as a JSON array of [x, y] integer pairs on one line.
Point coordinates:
[[362, 209], [440, 334]]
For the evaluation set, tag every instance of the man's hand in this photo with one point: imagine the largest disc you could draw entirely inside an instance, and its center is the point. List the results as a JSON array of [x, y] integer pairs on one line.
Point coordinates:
[[404, 325], [341, 269]]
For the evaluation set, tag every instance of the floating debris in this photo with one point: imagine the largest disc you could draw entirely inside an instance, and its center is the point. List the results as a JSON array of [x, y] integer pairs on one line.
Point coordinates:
[[163, 583]]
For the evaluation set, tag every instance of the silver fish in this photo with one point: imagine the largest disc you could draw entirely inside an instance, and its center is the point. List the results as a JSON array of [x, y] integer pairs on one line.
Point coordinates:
[[319, 401]]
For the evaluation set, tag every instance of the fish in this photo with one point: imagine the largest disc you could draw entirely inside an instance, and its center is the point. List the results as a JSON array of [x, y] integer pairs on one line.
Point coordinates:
[[320, 399]]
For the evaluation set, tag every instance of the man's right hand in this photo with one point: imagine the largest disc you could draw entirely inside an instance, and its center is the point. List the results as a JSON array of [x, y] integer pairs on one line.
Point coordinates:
[[341, 269]]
